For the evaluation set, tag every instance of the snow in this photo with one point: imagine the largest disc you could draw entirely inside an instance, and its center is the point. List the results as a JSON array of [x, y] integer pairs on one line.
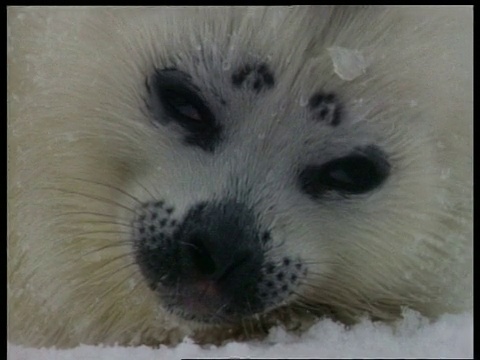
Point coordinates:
[[348, 64], [451, 336]]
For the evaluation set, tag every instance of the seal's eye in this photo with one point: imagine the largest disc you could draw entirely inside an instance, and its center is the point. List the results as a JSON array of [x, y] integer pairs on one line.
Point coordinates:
[[357, 173], [173, 98], [181, 106]]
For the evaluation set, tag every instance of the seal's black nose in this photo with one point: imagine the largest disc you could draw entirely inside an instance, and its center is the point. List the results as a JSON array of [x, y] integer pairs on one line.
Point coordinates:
[[211, 265], [220, 243]]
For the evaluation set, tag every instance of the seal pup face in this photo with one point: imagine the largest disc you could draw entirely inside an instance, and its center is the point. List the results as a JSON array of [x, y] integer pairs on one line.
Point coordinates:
[[175, 168], [225, 241]]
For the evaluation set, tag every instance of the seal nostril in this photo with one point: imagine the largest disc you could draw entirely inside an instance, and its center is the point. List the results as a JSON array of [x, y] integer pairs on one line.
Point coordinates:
[[201, 258]]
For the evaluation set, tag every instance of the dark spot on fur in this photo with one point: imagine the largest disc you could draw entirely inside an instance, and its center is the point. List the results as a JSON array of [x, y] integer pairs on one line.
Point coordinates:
[[254, 77], [266, 237], [326, 108], [270, 268], [240, 75]]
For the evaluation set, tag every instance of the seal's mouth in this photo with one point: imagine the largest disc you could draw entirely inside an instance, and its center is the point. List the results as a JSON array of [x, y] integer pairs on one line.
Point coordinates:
[[212, 266], [206, 303]]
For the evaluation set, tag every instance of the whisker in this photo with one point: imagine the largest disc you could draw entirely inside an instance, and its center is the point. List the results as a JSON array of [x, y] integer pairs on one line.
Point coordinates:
[[217, 315], [99, 232], [90, 196], [98, 275], [109, 187], [144, 188], [244, 327], [304, 301], [79, 237], [84, 213], [122, 282], [130, 226], [109, 246]]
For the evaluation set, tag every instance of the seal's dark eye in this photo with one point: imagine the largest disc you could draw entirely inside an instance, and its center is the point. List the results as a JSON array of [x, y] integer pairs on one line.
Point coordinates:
[[357, 173], [181, 106], [173, 98]]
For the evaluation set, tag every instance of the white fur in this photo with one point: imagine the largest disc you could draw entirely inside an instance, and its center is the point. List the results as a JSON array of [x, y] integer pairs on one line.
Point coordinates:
[[81, 147]]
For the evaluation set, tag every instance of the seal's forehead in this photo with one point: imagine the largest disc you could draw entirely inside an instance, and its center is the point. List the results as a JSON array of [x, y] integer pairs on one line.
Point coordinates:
[[296, 42], [257, 30]]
